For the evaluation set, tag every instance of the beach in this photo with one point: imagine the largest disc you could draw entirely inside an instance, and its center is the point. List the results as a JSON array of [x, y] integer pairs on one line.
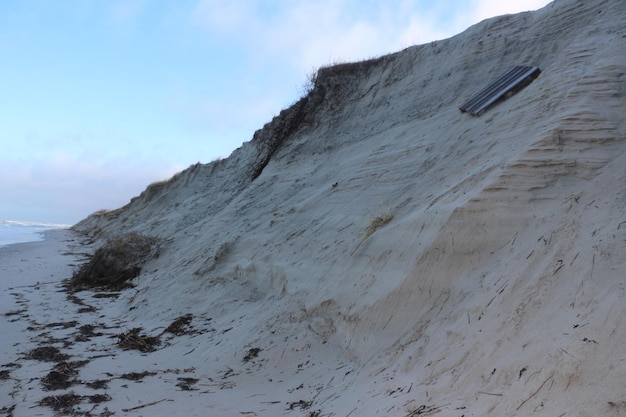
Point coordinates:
[[86, 354], [61, 356], [23, 231]]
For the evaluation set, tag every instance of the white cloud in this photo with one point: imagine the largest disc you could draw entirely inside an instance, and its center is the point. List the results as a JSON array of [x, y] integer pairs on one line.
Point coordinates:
[[296, 37], [483, 9], [284, 43], [64, 186], [304, 34], [308, 34], [328, 29], [311, 35]]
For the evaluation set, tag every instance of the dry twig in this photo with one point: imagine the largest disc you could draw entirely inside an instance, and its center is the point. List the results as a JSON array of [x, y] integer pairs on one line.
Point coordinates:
[[144, 405], [534, 393]]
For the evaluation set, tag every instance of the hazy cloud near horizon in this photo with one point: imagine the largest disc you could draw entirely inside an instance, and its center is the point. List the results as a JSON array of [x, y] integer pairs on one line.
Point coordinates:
[[103, 98]]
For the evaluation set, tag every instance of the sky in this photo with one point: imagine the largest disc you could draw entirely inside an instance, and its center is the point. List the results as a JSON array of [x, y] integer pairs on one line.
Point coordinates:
[[100, 98]]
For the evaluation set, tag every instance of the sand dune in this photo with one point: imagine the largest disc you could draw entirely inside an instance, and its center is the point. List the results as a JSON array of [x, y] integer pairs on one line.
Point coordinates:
[[495, 286]]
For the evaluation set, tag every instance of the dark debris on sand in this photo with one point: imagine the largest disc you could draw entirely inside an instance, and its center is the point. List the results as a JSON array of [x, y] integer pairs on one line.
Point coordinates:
[[8, 411], [47, 354], [115, 263], [132, 340], [186, 384], [98, 384], [65, 403], [62, 376], [137, 376], [86, 332], [303, 405], [251, 354], [181, 326]]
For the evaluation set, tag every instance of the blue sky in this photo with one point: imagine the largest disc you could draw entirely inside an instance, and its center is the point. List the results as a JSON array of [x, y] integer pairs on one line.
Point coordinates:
[[102, 97]]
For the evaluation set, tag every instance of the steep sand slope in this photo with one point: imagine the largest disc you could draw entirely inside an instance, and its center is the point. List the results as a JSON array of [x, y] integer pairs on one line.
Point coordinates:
[[497, 288]]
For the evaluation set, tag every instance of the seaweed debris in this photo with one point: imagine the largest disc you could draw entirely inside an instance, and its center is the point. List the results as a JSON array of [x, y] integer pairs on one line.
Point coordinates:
[[47, 354], [132, 340]]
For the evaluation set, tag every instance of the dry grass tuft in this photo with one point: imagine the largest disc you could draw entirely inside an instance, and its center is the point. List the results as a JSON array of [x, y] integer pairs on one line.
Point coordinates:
[[118, 261], [64, 402], [378, 222]]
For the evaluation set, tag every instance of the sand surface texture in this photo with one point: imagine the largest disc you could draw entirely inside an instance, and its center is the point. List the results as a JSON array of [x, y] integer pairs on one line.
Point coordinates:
[[373, 251]]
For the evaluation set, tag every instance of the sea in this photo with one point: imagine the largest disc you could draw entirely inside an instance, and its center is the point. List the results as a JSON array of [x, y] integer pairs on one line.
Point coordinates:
[[12, 231]]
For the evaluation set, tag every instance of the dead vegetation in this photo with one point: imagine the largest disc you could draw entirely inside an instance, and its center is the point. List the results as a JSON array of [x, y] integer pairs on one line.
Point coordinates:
[[98, 384], [114, 264], [180, 326], [62, 376], [15, 313], [61, 325], [5, 374], [137, 376], [106, 295], [133, 340], [86, 332], [66, 402], [56, 380], [100, 212], [303, 405], [8, 411], [378, 222], [47, 354], [186, 384], [251, 354], [98, 398]]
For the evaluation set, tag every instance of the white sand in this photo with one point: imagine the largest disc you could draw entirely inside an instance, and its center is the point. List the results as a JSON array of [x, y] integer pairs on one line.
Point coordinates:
[[497, 289]]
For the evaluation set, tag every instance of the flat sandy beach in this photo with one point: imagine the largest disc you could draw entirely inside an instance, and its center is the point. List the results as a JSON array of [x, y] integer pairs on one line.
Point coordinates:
[[64, 354], [84, 354]]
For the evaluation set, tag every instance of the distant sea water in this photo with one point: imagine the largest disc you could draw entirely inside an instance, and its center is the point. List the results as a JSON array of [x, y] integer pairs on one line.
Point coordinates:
[[18, 231]]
